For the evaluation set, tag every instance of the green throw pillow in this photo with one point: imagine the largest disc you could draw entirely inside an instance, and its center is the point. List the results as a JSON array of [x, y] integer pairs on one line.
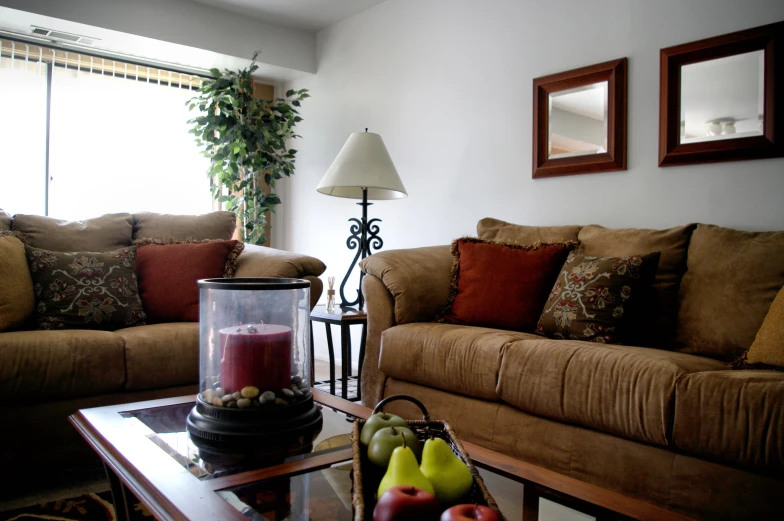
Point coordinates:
[[86, 290]]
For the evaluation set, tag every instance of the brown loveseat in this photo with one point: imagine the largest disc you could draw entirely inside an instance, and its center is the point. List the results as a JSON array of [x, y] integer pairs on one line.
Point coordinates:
[[47, 375], [669, 423]]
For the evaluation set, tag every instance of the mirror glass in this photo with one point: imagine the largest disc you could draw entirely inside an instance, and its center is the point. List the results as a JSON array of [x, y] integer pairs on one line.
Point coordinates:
[[723, 98], [577, 121]]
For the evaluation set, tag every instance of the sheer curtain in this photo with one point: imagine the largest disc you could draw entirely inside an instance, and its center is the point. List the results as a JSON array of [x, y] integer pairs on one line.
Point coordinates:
[[118, 144], [22, 134]]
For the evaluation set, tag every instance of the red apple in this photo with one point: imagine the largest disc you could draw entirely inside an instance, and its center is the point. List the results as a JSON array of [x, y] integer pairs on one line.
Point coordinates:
[[469, 513], [403, 503]]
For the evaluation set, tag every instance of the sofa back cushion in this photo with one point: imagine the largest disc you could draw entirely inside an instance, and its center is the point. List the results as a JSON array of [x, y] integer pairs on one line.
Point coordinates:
[[5, 221], [208, 226], [16, 287], [105, 233], [491, 229], [661, 307], [731, 280]]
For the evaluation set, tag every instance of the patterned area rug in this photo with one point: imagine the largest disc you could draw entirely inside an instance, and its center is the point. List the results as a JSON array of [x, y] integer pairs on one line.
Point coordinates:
[[89, 507]]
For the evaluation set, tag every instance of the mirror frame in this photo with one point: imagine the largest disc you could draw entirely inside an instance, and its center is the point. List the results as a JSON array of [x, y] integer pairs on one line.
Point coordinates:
[[614, 73], [671, 152]]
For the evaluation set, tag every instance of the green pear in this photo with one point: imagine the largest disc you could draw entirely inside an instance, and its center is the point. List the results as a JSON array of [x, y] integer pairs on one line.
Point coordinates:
[[449, 476], [403, 470], [379, 421], [385, 440]]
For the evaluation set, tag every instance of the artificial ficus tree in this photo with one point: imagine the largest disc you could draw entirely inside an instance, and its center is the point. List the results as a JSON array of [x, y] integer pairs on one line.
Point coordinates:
[[245, 139]]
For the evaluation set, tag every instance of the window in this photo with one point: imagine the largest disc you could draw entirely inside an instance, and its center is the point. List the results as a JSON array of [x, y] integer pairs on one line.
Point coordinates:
[[118, 137]]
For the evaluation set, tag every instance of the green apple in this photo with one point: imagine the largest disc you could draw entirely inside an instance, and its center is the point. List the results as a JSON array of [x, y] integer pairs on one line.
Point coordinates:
[[385, 440], [379, 421]]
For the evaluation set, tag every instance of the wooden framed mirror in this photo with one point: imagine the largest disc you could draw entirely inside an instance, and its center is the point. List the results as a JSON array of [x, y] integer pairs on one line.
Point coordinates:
[[717, 98], [580, 121]]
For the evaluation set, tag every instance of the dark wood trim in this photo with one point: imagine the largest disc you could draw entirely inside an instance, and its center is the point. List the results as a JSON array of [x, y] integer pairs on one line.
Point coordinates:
[[615, 73], [671, 152]]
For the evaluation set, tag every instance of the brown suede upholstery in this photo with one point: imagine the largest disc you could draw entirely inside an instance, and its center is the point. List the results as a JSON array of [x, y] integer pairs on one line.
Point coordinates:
[[56, 365], [419, 280], [662, 306], [626, 391], [106, 233], [260, 261], [734, 417], [161, 355], [209, 226], [5, 221], [380, 308], [731, 281], [453, 358], [495, 230]]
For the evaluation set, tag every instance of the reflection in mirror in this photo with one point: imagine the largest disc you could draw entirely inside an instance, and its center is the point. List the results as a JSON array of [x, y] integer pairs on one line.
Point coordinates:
[[578, 121], [723, 98]]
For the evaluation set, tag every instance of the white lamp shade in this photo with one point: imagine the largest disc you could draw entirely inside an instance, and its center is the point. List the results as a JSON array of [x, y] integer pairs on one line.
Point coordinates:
[[363, 162]]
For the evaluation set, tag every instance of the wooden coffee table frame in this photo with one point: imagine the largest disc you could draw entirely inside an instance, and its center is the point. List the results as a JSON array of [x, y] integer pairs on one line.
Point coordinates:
[[171, 492]]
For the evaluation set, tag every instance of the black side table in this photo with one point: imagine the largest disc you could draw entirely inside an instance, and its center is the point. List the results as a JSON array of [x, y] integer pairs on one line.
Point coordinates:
[[345, 319]]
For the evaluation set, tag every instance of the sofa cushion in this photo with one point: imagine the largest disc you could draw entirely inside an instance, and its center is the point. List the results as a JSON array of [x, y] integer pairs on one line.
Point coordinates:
[[732, 279], [460, 359], [5, 221], [17, 300], [85, 290], [168, 272], [735, 417], [212, 226], [662, 307], [599, 299], [767, 351], [502, 285], [161, 355], [621, 390], [56, 365], [496, 230], [106, 233]]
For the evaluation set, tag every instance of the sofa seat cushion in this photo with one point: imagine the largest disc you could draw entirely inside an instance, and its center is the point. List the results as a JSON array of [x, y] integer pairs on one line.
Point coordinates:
[[161, 355], [57, 365], [622, 390], [460, 359], [735, 417]]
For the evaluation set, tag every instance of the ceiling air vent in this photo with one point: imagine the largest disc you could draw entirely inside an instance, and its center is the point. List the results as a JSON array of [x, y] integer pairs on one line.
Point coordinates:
[[61, 36]]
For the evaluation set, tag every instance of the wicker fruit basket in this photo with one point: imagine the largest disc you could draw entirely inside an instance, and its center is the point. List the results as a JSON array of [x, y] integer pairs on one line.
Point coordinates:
[[367, 476]]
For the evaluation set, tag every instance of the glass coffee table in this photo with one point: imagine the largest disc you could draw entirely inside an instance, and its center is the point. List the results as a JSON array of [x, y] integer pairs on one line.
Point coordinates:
[[149, 456]]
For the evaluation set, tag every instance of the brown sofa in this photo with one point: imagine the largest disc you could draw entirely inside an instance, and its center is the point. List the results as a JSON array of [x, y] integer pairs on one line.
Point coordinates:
[[47, 375], [668, 422]]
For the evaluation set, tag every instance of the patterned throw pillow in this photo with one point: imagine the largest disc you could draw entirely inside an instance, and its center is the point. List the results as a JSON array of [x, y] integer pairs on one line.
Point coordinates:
[[595, 298], [86, 290]]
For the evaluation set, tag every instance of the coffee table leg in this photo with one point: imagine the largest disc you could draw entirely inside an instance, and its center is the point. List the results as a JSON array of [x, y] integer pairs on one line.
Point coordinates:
[[331, 360], [361, 360], [530, 503], [118, 496], [345, 355]]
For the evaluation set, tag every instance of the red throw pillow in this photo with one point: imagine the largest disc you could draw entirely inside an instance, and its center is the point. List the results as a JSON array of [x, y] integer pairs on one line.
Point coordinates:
[[503, 285], [168, 271]]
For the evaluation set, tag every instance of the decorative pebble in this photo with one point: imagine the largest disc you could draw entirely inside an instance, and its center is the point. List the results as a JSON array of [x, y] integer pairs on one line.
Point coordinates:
[[296, 380], [227, 398], [255, 404], [249, 392], [219, 392], [207, 395], [232, 404], [287, 392], [267, 397], [298, 393], [217, 402], [236, 395], [280, 401], [243, 403], [294, 387]]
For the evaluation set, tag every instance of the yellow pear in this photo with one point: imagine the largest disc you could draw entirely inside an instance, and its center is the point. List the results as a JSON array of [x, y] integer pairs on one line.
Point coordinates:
[[403, 470], [449, 476]]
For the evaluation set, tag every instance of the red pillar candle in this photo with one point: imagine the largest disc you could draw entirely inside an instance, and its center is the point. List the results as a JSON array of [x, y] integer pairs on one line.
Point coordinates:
[[257, 355]]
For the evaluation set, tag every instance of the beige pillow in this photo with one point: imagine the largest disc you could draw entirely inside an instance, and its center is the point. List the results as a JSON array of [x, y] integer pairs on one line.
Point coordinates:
[[105, 233], [17, 300], [767, 351], [209, 226], [491, 229], [5, 221]]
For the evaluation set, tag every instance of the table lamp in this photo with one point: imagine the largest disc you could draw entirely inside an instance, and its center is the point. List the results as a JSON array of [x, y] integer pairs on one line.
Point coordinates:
[[362, 170]]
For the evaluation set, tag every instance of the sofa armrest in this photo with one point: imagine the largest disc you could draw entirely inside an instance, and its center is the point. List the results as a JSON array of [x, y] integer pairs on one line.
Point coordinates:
[[261, 261], [418, 279]]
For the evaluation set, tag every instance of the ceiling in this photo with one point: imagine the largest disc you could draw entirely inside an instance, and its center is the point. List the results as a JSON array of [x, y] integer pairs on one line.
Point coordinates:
[[307, 15]]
